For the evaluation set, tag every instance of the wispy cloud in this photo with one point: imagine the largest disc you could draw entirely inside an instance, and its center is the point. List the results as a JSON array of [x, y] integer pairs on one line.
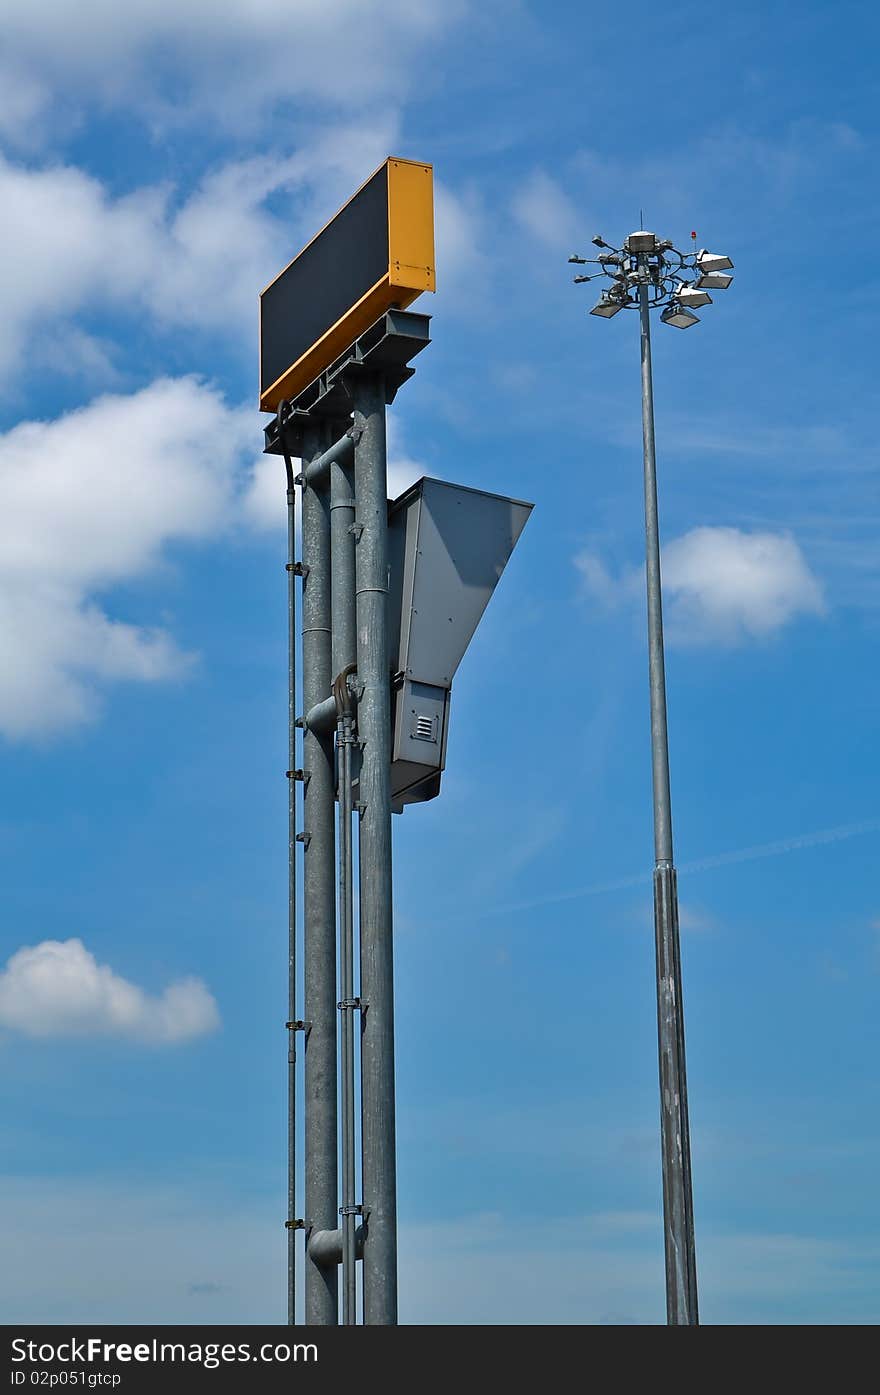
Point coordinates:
[[545, 212], [72, 1241], [233, 64]]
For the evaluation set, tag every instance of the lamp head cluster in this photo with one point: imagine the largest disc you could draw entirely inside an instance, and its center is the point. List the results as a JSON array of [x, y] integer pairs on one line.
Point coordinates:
[[677, 282]]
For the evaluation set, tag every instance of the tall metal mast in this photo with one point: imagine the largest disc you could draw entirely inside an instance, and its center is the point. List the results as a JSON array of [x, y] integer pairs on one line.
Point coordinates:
[[643, 274]]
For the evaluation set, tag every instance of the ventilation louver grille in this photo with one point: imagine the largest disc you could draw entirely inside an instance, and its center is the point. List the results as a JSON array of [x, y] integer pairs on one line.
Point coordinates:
[[424, 728]]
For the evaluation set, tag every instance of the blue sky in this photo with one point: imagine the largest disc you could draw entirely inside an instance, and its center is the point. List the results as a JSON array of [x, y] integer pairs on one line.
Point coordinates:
[[158, 164]]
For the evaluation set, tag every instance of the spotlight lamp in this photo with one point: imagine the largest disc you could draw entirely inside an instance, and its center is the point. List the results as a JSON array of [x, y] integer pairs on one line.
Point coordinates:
[[607, 306], [713, 261], [688, 295], [714, 281], [676, 315]]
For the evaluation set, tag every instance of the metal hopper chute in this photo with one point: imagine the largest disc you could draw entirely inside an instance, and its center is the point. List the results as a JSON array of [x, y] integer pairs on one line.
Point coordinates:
[[448, 546]]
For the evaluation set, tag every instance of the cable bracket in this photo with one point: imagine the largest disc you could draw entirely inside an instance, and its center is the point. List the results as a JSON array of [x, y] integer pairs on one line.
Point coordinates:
[[297, 1026], [294, 1225], [298, 568], [348, 1004], [351, 1210], [304, 838]]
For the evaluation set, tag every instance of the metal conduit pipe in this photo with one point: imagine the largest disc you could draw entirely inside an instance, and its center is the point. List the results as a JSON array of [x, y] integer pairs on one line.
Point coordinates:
[[341, 453], [325, 1246]]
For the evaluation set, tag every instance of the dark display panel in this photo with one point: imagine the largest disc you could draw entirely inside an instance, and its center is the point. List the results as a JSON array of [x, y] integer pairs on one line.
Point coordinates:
[[325, 280]]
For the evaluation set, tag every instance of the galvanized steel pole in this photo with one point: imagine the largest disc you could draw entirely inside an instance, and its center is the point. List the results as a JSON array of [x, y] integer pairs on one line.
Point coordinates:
[[342, 548], [681, 1269], [319, 898], [377, 957]]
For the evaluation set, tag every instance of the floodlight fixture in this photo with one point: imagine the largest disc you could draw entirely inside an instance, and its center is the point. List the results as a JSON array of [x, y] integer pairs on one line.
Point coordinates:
[[607, 306], [679, 317], [713, 261], [714, 281], [689, 295]]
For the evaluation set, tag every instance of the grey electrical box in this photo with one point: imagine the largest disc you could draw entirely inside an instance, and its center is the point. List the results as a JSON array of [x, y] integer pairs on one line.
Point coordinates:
[[448, 545]]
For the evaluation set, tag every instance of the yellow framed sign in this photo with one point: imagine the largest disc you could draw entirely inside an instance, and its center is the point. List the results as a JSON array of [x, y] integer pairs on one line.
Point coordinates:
[[377, 252]]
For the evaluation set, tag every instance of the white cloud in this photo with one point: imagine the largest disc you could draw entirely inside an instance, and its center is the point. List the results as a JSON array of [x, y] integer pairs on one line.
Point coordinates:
[[728, 585], [64, 242], [233, 63], [720, 585], [264, 501], [58, 989], [86, 502], [546, 213], [67, 245]]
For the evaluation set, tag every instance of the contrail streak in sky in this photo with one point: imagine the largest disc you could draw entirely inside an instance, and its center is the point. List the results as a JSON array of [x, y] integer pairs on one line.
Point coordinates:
[[702, 864]]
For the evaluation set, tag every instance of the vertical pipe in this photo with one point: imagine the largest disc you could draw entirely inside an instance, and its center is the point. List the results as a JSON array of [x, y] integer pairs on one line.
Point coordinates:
[[342, 543], [319, 899], [377, 960], [291, 896], [342, 546], [678, 1212], [348, 1007]]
